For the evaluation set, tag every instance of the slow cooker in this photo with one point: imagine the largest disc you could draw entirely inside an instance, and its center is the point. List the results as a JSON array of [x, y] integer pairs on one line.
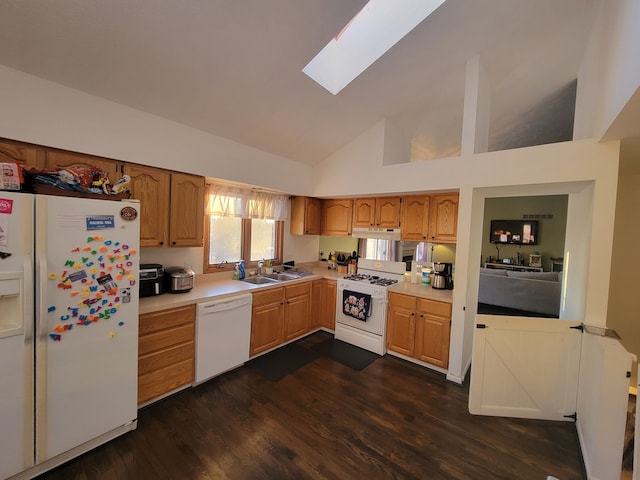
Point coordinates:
[[178, 279]]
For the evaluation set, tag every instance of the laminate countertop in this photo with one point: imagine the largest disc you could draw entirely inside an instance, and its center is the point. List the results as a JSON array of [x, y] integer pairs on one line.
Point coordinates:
[[221, 285]]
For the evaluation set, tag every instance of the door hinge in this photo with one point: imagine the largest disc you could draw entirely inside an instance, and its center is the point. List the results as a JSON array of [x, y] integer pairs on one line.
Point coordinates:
[[628, 374], [578, 327], [481, 325], [573, 416]]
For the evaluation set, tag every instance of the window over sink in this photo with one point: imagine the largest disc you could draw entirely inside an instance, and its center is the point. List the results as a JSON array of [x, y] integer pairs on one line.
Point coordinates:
[[242, 224]]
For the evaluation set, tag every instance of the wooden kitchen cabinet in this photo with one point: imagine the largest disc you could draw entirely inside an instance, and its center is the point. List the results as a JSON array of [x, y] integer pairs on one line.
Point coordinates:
[[443, 218], [58, 159], [297, 310], [29, 156], [336, 217], [328, 304], [171, 206], [401, 324], [433, 332], [380, 212], [316, 302], [186, 219], [305, 216], [419, 328], [278, 315], [165, 351], [152, 186], [267, 319], [415, 218]]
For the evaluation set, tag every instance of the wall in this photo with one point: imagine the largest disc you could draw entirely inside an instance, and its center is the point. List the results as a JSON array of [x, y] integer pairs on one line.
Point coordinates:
[[624, 302], [584, 170], [610, 71], [551, 231], [46, 113]]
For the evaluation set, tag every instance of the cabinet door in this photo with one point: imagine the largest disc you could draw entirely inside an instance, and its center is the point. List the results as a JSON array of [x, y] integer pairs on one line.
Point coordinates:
[[266, 327], [401, 324], [316, 301], [364, 212], [152, 187], [387, 212], [433, 332], [328, 306], [443, 218], [186, 221], [305, 216], [26, 155], [55, 159], [415, 218], [336, 217], [296, 316]]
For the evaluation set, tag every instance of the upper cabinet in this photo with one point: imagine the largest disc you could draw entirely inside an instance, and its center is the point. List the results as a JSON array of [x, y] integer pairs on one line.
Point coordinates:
[[380, 212], [186, 220], [336, 217], [171, 206], [430, 218], [415, 218], [305, 216], [443, 218], [26, 155], [57, 159], [152, 186]]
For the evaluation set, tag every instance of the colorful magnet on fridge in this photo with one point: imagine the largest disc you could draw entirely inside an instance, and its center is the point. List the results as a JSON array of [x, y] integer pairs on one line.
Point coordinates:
[[112, 335], [52, 308], [55, 336], [52, 276], [77, 249], [120, 324]]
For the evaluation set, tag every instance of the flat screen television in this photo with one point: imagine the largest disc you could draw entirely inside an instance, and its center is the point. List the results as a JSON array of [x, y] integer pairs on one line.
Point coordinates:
[[517, 232]]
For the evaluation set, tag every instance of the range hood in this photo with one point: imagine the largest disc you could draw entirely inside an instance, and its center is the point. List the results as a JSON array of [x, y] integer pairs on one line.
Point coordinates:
[[377, 233]]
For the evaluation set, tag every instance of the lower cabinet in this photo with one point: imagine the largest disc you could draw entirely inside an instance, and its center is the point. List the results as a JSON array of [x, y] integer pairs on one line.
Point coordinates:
[[419, 328], [328, 304], [279, 315], [165, 351]]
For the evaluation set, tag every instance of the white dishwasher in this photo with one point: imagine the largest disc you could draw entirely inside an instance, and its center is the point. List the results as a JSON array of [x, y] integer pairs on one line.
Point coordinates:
[[223, 332]]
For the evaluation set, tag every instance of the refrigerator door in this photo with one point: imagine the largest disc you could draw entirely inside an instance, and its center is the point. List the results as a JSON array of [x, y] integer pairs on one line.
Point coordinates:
[[86, 320], [16, 333]]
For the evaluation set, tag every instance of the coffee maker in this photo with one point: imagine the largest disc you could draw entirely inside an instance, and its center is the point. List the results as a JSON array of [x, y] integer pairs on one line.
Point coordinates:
[[443, 276]]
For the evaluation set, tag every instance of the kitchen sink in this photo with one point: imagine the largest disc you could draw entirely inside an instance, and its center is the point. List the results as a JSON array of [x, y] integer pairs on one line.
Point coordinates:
[[283, 276], [260, 280]]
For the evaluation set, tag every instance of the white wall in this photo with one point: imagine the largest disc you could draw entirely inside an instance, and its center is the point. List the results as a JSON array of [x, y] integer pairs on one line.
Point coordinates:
[[610, 70], [585, 170], [46, 113]]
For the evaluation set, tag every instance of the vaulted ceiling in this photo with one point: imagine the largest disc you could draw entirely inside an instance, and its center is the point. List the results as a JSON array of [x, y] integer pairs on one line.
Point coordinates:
[[233, 67]]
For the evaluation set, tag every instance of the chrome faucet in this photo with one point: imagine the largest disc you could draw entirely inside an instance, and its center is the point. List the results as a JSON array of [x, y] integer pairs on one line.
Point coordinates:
[[259, 269]]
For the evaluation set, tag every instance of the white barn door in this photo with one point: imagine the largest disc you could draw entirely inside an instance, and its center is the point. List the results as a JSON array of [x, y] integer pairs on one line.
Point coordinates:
[[525, 367], [548, 369]]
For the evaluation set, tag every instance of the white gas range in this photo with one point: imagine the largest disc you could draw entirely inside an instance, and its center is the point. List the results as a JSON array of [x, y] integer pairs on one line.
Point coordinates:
[[361, 304]]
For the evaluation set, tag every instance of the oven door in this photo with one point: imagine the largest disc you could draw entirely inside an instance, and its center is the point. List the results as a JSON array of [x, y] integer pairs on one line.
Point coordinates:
[[361, 306]]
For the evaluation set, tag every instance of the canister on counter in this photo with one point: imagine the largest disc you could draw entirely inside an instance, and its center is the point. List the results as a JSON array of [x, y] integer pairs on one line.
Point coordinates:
[[426, 276]]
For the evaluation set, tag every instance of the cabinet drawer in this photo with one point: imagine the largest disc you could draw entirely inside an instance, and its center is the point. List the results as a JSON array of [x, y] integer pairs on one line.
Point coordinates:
[[298, 289], [404, 301], [165, 358], [165, 338], [441, 309], [273, 295], [164, 380], [153, 322]]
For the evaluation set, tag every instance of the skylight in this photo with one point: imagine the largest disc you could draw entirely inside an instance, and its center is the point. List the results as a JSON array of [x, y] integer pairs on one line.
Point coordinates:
[[374, 30]]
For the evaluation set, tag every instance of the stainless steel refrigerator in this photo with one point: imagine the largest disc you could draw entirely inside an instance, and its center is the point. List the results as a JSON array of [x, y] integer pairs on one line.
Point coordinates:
[[68, 327]]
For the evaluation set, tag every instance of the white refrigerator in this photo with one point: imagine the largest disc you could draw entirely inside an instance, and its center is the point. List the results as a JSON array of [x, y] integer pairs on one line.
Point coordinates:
[[68, 327]]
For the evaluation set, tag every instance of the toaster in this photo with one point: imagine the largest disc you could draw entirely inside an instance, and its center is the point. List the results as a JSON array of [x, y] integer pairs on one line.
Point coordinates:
[[151, 279], [178, 279]]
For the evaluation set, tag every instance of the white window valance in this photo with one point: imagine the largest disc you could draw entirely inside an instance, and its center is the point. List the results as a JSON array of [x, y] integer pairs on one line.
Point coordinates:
[[227, 201]]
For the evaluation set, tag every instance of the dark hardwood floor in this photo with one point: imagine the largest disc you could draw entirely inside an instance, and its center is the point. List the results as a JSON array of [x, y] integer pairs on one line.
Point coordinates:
[[391, 420]]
